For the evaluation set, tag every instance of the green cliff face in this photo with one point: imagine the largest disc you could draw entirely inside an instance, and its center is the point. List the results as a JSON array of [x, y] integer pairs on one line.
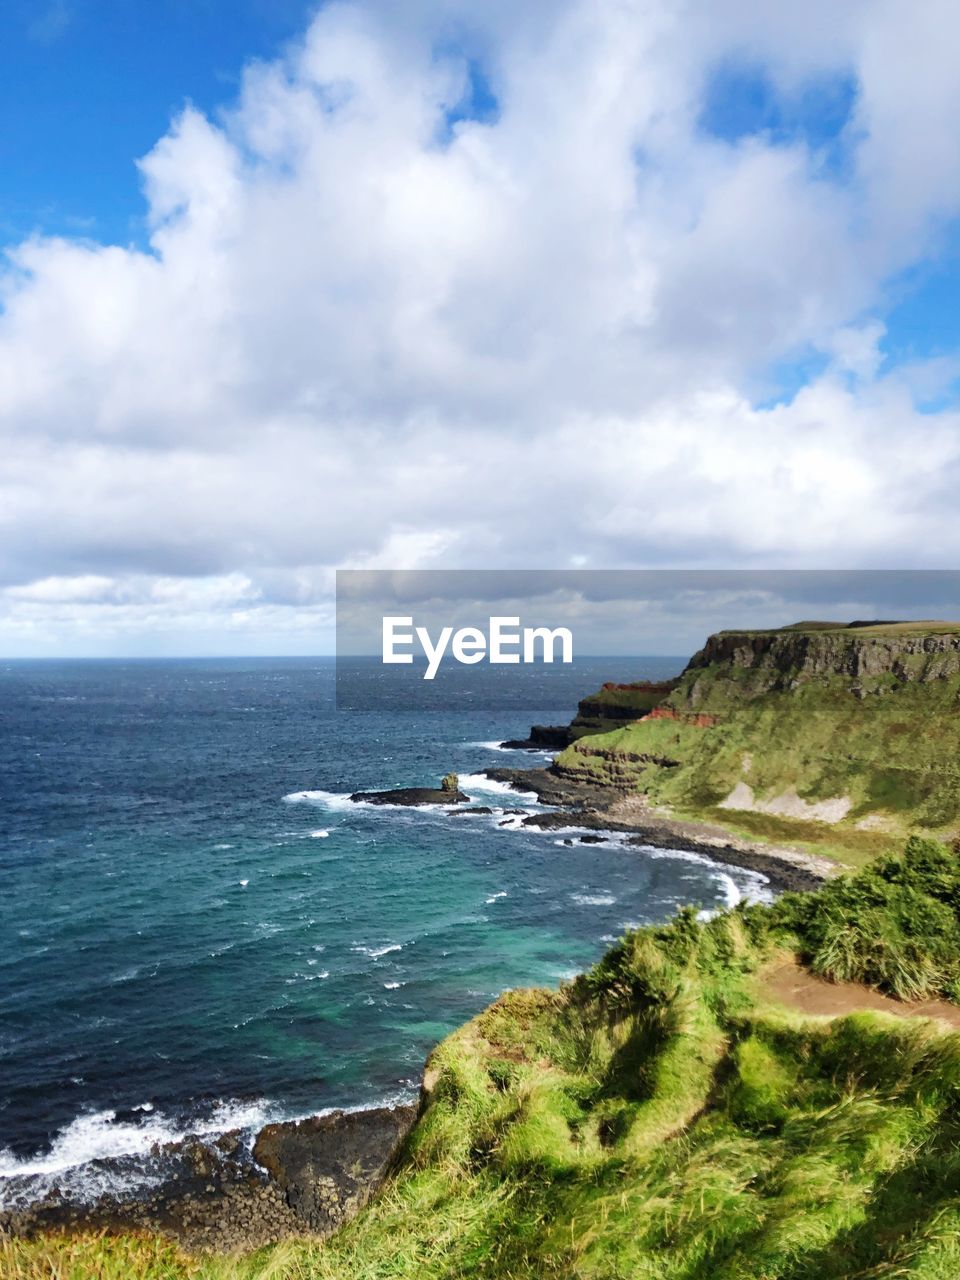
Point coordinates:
[[854, 728]]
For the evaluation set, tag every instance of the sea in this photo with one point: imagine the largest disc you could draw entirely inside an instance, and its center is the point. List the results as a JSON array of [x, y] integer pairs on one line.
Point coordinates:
[[199, 931]]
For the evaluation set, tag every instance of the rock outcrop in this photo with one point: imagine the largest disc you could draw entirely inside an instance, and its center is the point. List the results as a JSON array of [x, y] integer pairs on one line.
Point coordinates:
[[447, 793], [328, 1166]]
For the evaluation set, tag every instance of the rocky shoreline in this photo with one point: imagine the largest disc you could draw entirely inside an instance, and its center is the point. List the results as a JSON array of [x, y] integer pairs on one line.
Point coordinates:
[[599, 809], [297, 1178]]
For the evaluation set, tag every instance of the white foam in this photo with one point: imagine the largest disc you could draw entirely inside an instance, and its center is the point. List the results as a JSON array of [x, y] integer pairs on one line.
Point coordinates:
[[319, 835], [495, 896], [529, 752], [593, 899], [71, 1168], [480, 782], [507, 822], [244, 883], [334, 800], [376, 952], [731, 892], [98, 1135], [392, 986]]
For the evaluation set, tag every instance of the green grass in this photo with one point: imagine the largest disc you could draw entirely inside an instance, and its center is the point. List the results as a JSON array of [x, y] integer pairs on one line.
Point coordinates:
[[890, 745], [657, 1119]]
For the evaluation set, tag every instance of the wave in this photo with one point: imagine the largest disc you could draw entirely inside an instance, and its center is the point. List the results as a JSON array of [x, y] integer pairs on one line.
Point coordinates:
[[97, 1154], [511, 821], [494, 896], [498, 746], [376, 952], [335, 800], [319, 835], [480, 782], [593, 899]]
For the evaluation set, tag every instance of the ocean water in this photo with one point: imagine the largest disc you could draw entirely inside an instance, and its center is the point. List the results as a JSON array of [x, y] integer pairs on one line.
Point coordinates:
[[199, 931]]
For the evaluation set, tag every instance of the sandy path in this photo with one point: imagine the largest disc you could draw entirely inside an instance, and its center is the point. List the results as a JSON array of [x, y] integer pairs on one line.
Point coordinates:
[[787, 983]]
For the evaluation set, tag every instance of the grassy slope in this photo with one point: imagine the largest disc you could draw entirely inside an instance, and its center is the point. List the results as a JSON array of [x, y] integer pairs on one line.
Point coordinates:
[[895, 751], [657, 1119]]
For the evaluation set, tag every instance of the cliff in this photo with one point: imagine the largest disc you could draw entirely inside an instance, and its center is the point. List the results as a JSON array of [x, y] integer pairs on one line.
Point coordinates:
[[851, 727], [612, 706]]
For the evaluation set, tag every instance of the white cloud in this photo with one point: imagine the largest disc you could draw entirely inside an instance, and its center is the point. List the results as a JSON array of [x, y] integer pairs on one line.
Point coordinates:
[[856, 348], [359, 337]]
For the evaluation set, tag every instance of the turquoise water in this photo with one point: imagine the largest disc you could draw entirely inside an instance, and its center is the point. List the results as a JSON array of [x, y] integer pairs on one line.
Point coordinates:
[[198, 930]]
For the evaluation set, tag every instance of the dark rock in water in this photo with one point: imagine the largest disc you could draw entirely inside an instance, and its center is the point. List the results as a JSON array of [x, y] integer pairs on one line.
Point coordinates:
[[229, 1142], [514, 813], [591, 839], [477, 808], [543, 737], [329, 1166], [411, 796], [448, 792]]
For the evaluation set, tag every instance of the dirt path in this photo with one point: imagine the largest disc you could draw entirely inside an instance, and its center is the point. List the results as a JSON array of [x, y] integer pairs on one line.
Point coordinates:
[[787, 983]]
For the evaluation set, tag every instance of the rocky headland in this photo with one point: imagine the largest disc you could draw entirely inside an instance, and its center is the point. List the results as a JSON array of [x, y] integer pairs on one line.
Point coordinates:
[[790, 751]]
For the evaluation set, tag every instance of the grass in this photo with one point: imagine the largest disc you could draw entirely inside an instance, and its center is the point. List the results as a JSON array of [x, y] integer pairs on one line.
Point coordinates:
[[844, 844], [890, 746], [657, 1119], [907, 627]]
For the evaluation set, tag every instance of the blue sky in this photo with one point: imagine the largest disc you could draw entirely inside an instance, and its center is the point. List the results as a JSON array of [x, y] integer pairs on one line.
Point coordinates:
[[402, 283], [86, 86]]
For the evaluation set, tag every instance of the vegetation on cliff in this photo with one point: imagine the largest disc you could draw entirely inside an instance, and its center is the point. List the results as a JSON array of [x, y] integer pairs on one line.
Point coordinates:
[[665, 1117], [847, 737]]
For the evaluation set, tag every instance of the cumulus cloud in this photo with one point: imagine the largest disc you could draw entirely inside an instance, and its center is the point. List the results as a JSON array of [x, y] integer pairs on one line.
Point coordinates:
[[376, 326]]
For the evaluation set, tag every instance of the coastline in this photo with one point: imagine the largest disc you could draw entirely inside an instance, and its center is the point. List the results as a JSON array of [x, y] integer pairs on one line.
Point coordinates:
[[596, 809], [243, 1190]]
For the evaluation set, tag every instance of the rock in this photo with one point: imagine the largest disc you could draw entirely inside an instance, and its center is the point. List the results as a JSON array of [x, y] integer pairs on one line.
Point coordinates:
[[228, 1142], [447, 793], [477, 808], [411, 796], [328, 1166], [543, 737]]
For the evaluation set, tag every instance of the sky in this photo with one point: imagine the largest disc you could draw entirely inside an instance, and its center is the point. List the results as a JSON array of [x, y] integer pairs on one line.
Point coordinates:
[[398, 284], [623, 612]]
